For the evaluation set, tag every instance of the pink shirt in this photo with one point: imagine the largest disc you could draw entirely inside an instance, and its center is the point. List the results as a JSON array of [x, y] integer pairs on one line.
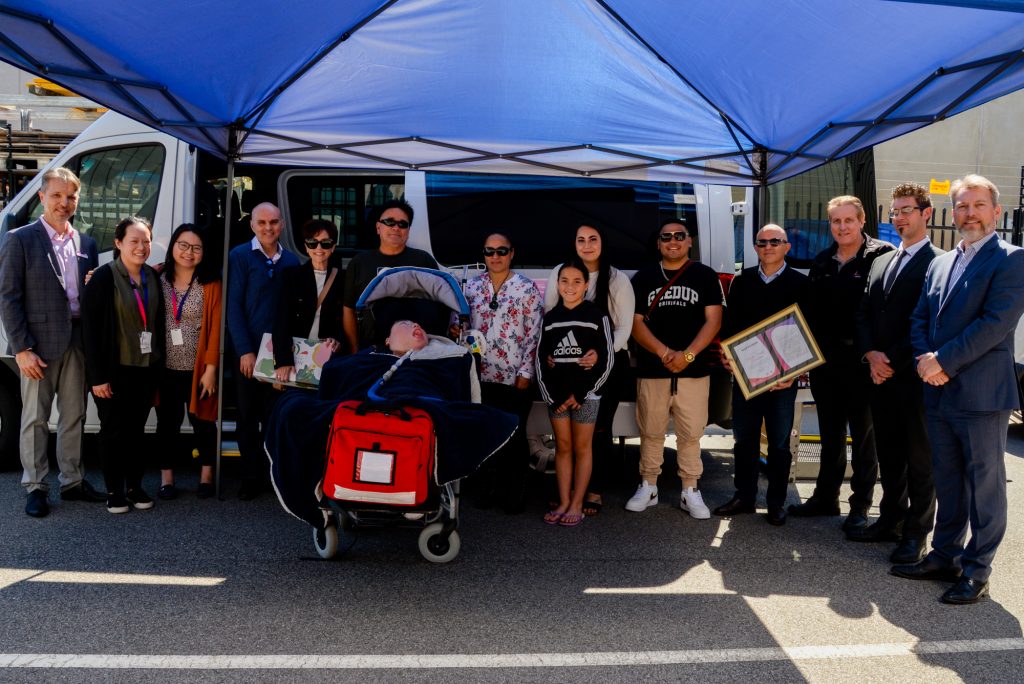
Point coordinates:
[[65, 265]]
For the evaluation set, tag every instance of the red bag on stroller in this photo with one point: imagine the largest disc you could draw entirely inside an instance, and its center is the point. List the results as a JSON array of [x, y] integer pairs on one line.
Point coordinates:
[[379, 455]]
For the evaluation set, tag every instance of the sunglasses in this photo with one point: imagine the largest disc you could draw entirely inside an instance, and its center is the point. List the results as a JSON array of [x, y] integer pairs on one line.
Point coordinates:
[[500, 251], [679, 236], [391, 223], [774, 242], [312, 243]]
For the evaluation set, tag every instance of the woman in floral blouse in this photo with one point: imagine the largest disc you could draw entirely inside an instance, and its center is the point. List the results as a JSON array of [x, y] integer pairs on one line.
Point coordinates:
[[507, 309]]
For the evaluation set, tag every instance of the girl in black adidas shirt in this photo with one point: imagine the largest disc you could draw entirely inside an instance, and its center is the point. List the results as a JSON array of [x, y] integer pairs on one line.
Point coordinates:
[[568, 380]]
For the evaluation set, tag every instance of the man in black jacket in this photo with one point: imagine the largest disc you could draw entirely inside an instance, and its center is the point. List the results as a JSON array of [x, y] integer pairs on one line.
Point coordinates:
[[756, 294], [840, 387], [907, 509]]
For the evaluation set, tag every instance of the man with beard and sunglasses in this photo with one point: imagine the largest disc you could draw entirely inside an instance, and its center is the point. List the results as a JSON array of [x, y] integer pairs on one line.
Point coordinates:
[[393, 227], [678, 312]]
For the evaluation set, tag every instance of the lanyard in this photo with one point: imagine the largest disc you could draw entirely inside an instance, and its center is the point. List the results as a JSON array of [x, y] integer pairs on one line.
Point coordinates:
[[180, 306], [143, 298]]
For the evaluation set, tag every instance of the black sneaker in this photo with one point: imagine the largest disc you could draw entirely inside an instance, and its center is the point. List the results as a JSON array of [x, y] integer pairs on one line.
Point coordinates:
[[116, 503], [139, 499]]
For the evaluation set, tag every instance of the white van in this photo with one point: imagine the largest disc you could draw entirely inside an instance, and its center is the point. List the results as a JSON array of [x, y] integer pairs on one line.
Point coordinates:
[[127, 168]]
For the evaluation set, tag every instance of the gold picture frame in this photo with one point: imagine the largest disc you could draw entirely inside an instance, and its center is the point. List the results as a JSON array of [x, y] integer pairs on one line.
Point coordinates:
[[777, 349]]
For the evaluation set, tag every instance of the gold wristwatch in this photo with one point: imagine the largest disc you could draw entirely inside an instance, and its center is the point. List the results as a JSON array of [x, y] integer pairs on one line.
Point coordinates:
[[689, 356]]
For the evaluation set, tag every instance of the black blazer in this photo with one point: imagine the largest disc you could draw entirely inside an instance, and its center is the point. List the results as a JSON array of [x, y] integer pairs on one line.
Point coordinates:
[[883, 324], [298, 308]]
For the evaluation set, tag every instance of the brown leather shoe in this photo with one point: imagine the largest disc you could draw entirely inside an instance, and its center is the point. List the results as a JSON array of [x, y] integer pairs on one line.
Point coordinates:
[[735, 506]]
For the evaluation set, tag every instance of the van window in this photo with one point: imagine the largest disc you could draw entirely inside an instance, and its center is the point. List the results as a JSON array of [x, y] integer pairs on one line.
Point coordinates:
[[540, 215], [116, 182], [348, 201]]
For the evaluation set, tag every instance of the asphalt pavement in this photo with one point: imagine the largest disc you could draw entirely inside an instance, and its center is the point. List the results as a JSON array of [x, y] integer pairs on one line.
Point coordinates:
[[228, 590]]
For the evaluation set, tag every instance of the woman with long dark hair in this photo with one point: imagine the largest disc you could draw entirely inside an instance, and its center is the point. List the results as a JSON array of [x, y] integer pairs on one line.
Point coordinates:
[[123, 321], [610, 289], [192, 296]]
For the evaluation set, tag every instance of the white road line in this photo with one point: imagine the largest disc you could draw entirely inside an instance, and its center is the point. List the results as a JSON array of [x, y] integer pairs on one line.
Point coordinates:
[[502, 660]]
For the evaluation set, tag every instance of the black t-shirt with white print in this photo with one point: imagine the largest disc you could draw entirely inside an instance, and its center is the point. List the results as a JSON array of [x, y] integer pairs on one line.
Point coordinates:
[[678, 316]]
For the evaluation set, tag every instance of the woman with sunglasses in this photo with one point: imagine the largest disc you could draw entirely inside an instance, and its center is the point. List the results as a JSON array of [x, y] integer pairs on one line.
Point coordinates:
[[507, 309], [311, 302], [610, 289], [192, 297]]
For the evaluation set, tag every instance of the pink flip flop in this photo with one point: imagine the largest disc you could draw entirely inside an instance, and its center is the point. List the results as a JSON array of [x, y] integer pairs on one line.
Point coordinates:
[[571, 519], [553, 517]]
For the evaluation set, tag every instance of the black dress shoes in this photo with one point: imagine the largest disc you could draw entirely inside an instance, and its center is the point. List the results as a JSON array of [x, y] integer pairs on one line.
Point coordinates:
[[735, 506], [856, 520], [910, 551], [36, 506], [927, 569], [82, 491], [814, 507], [877, 531], [776, 516], [965, 592]]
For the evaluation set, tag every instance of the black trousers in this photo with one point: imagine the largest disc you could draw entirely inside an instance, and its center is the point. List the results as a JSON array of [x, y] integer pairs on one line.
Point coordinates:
[[509, 466], [604, 449], [123, 427], [255, 402], [904, 454], [840, 390], [175, 389], [776, 410]]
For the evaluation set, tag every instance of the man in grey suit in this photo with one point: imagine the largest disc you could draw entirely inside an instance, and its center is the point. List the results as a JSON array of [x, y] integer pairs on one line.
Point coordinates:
[[907, 510], [42, 272], [962, 336]]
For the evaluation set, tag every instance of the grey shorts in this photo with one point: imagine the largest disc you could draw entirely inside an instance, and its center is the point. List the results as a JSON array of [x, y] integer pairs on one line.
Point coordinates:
[[584, 415]]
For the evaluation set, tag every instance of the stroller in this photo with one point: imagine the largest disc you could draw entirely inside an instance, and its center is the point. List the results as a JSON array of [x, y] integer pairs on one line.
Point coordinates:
[[385, 465]]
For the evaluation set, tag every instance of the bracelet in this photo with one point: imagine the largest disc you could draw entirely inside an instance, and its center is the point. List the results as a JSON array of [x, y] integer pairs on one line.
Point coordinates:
[[667, 352]]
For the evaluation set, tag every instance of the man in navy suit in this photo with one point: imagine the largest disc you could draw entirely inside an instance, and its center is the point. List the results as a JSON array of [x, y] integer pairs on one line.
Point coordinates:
[[42, 275], [962, 336], [895, 395]]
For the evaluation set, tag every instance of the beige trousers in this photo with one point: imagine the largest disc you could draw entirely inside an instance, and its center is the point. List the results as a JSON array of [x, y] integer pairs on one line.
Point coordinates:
[[688, 408]]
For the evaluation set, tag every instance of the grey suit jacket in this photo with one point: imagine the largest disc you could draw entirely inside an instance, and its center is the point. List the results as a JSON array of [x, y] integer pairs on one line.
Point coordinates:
[[971, 328], [33, 306]]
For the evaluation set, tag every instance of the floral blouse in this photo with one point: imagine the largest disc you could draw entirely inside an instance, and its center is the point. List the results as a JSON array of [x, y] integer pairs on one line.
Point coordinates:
[[510, 332]]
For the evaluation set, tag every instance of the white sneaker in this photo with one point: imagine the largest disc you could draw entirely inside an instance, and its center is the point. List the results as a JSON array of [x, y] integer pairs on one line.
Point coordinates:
[[693, 503], [645, 497]]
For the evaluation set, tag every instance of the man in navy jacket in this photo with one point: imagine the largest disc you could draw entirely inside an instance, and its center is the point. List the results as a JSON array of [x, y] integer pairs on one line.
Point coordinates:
[[962, 335]]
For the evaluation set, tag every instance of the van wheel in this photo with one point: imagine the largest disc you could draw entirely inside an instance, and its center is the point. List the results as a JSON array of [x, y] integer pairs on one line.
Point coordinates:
[[10, 422]]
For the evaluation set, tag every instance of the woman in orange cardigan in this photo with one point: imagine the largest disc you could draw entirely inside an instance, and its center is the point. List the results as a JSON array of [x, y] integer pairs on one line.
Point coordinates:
[[193, 299]]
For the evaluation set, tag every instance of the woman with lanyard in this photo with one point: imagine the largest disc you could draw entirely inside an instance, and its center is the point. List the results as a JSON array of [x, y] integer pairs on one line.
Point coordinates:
[[192, 296], [611, 290], [507, 309], [311, 301], [123, 320]]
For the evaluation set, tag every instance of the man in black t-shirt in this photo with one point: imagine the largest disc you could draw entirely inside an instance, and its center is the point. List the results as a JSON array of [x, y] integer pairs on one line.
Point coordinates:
[[393, 229], [678, 312]]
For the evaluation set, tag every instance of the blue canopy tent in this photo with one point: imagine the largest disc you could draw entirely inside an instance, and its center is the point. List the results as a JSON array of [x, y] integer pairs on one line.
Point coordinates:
[[741, 92]]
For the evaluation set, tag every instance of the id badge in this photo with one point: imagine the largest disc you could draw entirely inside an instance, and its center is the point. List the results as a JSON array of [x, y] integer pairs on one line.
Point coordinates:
[[177, 339], [146, 342]]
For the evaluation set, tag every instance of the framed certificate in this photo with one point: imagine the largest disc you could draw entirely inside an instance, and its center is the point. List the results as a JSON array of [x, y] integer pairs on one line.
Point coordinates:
[[777, 349]]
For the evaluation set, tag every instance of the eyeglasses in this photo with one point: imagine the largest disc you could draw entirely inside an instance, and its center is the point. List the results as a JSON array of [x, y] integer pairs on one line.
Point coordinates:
[[905, 211], [391, 223], [500, 251], [270, 268], [188, 247], [312, 243], [774, 242], [679, 236]]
